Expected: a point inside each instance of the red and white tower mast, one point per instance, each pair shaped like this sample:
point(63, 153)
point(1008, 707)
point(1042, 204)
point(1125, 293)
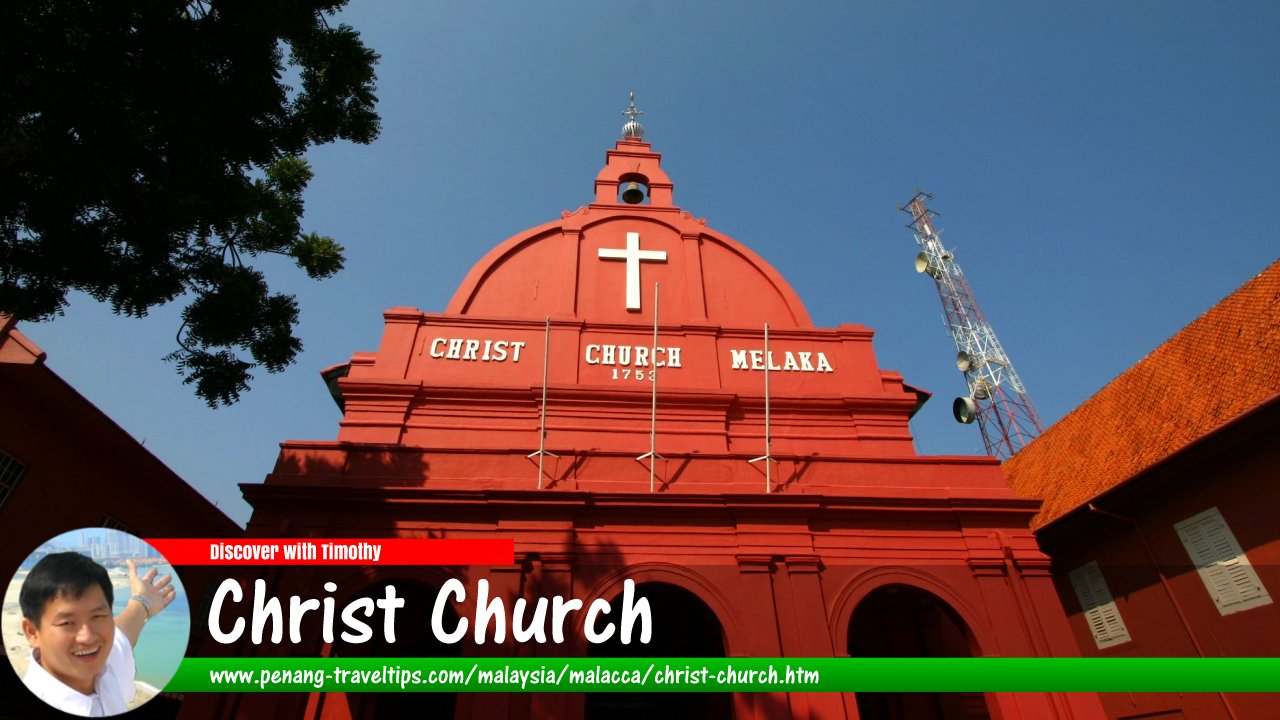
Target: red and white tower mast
point(997, 398)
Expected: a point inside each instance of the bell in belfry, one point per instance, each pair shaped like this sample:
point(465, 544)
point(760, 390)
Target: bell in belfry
point(633, 194)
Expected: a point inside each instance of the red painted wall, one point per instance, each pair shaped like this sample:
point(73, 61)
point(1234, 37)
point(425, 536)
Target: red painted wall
point(436, 438)
point(81, 469)
point(73, 451)
point(1233, 471)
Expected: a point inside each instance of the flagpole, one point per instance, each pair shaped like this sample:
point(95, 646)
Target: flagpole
point(768, 431)
point(653, 404)
point(541, 452)
point(653, 396)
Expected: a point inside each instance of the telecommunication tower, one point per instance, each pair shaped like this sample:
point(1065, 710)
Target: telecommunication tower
point(997, 398)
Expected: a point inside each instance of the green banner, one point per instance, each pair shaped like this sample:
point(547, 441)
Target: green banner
point(727, 675)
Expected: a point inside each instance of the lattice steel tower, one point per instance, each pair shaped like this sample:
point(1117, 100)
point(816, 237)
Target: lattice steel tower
point(997, 399)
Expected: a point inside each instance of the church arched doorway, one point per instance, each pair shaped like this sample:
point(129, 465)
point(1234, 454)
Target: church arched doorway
point(905, 621)
point(413, 639)
point(683, 626)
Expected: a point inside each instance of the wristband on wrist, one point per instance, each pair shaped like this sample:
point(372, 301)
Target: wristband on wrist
point(145, 603)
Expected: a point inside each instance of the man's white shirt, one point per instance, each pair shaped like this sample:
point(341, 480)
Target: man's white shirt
point(113, 687)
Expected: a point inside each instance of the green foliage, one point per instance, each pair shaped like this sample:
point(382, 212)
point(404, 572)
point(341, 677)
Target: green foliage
point(150, 149)
point(320, 256)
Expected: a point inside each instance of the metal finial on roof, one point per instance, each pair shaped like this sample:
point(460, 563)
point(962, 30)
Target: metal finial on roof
point(633, 129)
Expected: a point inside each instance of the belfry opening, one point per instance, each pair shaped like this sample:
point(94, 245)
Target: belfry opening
point(754, 474)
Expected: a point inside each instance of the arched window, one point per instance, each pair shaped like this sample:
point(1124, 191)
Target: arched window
point(413, 639)
point(683, 626)
point(905, 621)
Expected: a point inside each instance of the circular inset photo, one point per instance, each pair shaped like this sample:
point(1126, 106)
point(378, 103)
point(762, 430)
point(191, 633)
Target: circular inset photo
point(95, 622)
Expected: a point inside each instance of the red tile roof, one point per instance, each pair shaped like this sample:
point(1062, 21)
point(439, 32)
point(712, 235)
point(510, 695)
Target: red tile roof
point(1221, 365)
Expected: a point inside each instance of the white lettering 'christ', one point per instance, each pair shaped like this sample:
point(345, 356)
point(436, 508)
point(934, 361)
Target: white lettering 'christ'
point(634, 256)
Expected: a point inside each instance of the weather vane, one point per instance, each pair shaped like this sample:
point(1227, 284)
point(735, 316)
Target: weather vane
point(633, 129)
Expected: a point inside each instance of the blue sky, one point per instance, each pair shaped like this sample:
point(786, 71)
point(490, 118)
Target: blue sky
point(1105, 171)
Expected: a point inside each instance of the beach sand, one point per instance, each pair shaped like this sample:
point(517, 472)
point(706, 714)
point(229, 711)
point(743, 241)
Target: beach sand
point(15, 643)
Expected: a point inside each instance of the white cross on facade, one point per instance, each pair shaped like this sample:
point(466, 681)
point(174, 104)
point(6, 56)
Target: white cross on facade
point(634, 256)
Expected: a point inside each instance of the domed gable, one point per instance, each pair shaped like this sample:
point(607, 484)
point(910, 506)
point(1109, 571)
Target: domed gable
point(555, 329)
point(600, 263)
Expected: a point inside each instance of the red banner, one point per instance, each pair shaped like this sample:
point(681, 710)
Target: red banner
point(327, 551)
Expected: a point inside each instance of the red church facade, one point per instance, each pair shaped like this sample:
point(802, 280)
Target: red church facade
point(759, 484)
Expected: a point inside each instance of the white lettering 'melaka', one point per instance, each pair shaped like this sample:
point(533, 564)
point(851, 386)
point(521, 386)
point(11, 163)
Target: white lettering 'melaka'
point(791, 361)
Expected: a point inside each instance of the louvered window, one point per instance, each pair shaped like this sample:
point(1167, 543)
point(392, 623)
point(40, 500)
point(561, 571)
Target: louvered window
point(1100, 609)
point(11, 471)
point(1226, 572)
point(111, 523)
